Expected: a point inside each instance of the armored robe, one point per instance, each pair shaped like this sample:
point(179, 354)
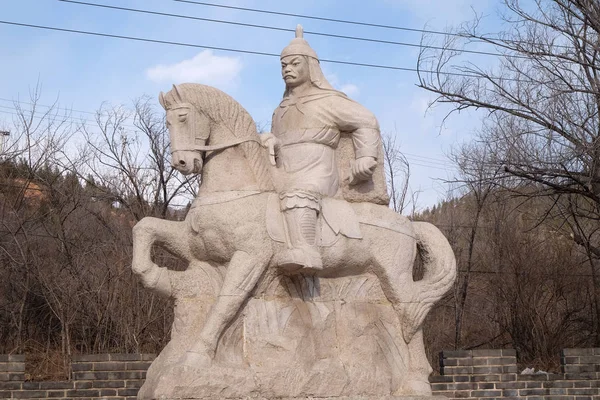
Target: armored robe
point(309, 129)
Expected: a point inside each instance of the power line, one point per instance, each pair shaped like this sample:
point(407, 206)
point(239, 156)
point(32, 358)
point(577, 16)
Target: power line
point(219, 21)
point(46, 106)
point(341, 21)
point(106, 113)
point(82, 121)
point(362, 23)
point(260, 53)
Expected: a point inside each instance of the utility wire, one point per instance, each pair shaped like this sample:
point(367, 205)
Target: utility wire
point(91, 124)
point(486, 53)
point(341, 21)
point(362, 23)
point(70, 110)
point(260, 53)
point(82, 121)
point(46, 106)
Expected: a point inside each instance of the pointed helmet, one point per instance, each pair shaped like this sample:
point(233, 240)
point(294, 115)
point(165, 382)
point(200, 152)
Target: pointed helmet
point(299, 46)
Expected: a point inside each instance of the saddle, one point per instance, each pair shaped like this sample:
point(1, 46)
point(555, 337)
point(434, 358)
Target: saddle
point(337, 217)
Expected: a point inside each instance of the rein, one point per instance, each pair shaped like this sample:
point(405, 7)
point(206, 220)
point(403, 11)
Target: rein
point(225, 145)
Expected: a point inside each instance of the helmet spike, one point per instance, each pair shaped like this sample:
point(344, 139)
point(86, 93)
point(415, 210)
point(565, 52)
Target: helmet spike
point(299, 46)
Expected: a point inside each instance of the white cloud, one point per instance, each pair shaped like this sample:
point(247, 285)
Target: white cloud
point(205, 68)
point(350, 89)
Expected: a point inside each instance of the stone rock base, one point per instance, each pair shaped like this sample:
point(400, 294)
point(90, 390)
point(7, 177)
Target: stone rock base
point(301, 337)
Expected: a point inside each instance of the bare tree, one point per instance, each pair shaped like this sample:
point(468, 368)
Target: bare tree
point(129, 165)
point(397, 171)
point(541, 104)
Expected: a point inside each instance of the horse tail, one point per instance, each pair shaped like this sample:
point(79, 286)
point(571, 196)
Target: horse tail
point(440, 272)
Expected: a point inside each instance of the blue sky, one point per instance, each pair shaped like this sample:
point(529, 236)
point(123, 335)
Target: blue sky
point(85, 71)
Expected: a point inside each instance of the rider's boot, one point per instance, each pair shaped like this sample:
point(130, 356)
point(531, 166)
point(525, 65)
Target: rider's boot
point(301, 225)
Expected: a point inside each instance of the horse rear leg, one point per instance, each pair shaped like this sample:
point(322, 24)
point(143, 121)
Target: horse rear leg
point(242, 274)
point(169, 234)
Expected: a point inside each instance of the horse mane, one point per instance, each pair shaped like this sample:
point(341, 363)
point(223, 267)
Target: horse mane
point(224, 110)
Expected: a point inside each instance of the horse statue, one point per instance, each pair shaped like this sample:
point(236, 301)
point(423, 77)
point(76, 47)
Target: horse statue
point(227, 228)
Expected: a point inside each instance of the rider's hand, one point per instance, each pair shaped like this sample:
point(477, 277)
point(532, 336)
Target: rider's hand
point(362, 169)
point(269, 141)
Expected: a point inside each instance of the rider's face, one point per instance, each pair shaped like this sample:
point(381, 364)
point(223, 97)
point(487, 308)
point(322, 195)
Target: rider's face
point(294, 70)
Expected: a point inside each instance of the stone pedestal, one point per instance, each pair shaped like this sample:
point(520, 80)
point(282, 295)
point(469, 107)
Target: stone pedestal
point(298, 337)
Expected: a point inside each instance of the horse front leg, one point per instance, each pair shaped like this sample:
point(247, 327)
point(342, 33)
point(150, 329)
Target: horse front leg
point(170, 235)
point(242, 274)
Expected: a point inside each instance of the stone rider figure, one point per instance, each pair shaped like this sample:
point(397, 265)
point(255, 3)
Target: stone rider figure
point(306, 130)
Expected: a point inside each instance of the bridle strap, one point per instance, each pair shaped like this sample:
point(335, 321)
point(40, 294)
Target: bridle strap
point(225, 145)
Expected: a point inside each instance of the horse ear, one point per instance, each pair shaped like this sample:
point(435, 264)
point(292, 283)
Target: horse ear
point(161, 100)
point(179, 98)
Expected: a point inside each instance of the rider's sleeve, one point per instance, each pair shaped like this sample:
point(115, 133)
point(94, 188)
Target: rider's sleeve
point(361, 124)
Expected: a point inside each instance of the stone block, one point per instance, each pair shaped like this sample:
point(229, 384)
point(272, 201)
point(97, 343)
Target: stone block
point(84, 384)
point(589, 359)
point(486, 353)
point(533, 384)
point(127, 392)
point(136, 383)
point(10, 385)
point(486, 386)
point(436, 387)
point(532, 377)
point(533, 392)
point(487, 370)
point(559, 384)
point(108, 384)
point(16, 358)
point(460, 394)
point(486, 393)
point(125, 375)
point(90, 357)
point(15, 367)
point(440, 379)
point(465, 386)
point(485, 378)
point(56, 385)
point(582, 391)
point(52, 394)
point(82, 366)
point(109, 366)
point(509, 369)
point(137, 366)
point(510, 393)
point(83, 393)
point(557, 391)
point(577, 352)
point(461, 378)
point(31, 385)
point(457, 371)
point(108, 392)
point(16, 376)
point(125, 357)
point(456, 353)
point(30, 394)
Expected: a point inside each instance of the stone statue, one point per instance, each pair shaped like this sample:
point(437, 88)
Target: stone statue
point(300, 283)
point(307, 127)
